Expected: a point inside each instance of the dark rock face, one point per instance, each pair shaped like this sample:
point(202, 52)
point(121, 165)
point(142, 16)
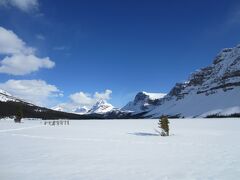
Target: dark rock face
point(140, 97)
point(223, 74)
point(141, 103)
point(145, 99)
point(177, 91)
point(198, 78)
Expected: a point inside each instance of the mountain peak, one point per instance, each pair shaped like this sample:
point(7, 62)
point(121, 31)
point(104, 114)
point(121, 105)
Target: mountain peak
point(100, 107)
point(143, 101)
point(101, 101)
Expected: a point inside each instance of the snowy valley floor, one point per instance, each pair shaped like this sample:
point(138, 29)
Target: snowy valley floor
point(120, 149)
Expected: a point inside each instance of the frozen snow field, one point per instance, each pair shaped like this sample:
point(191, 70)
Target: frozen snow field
point(120, 149)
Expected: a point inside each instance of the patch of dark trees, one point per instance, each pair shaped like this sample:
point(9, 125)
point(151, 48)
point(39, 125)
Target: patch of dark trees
point(235, 115)
point(11, 109)
point(27, 110)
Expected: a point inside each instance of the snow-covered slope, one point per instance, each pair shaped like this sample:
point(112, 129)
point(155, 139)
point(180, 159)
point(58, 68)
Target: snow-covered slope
point(143, 101)
point(211, 90)
point(120, 150)
point(101, 107)
point(5, 96)
point(58, 108)
point(71, 108)
point(154, 96)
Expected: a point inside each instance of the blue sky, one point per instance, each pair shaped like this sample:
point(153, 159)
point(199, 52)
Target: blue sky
point(124, 46)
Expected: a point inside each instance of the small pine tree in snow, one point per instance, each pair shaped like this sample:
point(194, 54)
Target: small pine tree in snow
point(19, 115)
point(163, 124)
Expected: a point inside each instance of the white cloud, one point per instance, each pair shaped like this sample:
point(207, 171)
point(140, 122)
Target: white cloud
point(67, 107)
point(11, 44)
point(20, 59)
point(86, 99)
point(40, 37)
point(81, 99)
point(105, 95)
point(14, 64)
point(34, 91)
point(23, 5)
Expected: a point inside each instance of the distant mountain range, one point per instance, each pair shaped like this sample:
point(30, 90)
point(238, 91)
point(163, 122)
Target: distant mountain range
point(100, 107)
point(10, 105)
point(213, 91)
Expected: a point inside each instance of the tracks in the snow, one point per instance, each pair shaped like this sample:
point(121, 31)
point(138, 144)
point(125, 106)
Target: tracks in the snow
point(19, 129)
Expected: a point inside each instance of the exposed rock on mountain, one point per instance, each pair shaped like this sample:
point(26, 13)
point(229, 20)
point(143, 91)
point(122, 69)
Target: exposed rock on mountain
point(211, 90)
point(142, 102)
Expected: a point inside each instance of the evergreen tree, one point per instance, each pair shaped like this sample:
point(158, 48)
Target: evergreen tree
point(19, 114)
point(163, 124)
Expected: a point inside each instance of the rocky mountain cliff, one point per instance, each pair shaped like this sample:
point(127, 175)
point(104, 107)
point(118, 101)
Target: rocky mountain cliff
point(213, 90)
point(143, 101)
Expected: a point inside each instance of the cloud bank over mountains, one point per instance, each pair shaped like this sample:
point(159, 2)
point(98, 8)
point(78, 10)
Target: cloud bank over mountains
point(19, 59)
point(35, 91)
point(83, 99)
point(86, 99)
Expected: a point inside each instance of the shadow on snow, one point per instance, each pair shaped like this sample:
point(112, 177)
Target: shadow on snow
point(144, 134)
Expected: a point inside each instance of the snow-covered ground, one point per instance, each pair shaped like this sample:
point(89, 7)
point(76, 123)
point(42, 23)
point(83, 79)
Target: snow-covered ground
point(120, 149)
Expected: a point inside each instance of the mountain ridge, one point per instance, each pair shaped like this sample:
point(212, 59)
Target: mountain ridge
point(9, 105)
point(212, 89)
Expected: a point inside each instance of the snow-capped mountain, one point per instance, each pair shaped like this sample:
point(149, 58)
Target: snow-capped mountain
point(5, 96)
point(213, 90)
point(71, 108)
point(101, 107)
point(143, 101)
